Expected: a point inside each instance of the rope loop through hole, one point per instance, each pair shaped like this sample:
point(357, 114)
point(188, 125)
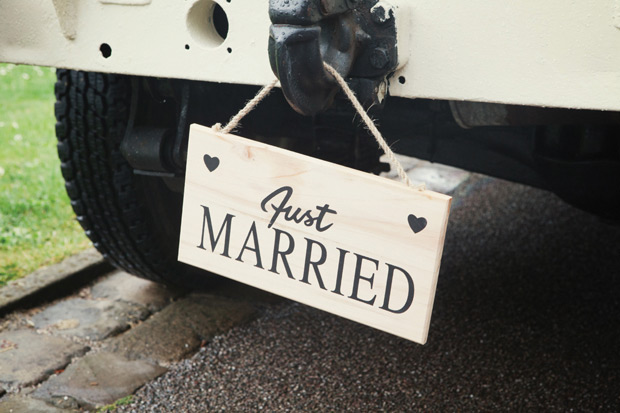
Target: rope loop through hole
point(370, 124)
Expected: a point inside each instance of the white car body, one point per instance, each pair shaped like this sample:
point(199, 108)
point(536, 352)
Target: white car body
point(544, 53)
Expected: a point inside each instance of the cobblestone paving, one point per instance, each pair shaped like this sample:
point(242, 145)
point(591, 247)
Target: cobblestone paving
point(101, 343)
point(91, 348)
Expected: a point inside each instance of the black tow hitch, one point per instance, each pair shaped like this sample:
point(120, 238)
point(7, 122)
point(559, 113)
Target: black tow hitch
point(356, 37)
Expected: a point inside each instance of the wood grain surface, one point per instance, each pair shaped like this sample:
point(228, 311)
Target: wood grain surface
point(354, 244)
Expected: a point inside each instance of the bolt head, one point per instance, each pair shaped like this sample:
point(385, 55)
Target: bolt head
point(379, 58)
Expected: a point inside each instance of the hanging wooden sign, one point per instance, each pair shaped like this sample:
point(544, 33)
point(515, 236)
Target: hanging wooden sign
point(347, 242)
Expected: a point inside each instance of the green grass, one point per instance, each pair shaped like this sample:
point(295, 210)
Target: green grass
point(112, 407)
point(37, 225)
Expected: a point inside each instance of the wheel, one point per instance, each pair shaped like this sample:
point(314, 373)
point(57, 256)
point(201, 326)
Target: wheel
point(132, 220)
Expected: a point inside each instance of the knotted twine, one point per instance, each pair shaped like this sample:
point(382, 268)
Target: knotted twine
point(370, 124)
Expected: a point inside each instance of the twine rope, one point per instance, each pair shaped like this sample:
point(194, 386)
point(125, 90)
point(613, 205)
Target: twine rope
point(249, 107)
point(372, 127)
point(370, 124)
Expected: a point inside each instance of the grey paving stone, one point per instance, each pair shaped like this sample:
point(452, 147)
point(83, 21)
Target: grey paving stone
point(23, 404)
point(437, 177)
point(43, 278)
point(121, 286)
point(407, 162)
point(96, 380)
point(179, 329)
point(28, 358)
point(90, 319)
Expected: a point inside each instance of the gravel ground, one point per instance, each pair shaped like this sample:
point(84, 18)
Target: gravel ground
point(527, 318)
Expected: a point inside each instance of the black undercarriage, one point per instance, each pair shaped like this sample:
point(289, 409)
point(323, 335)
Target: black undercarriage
point(573, 153)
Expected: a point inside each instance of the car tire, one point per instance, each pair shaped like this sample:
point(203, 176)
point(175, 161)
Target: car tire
point(132, 220)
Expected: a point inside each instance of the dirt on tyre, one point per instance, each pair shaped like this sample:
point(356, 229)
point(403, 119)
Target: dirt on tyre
point(132, 220)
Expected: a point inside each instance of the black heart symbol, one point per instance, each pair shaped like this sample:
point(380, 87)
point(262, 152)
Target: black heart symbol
point(416, 224)
point(211, 163)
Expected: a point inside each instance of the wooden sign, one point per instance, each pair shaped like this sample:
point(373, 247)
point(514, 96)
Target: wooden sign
point(357, 245)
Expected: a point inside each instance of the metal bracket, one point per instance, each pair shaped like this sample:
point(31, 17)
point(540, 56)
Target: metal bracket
point(356, 37)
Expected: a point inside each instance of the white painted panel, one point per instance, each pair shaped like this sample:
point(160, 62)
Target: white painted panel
point(549, 53)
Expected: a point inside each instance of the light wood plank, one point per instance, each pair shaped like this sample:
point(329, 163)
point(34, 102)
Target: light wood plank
point(371, 223)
